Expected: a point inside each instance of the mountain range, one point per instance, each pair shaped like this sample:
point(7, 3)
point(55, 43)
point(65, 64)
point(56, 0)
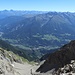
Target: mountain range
point(40, 33)
point(7, 13)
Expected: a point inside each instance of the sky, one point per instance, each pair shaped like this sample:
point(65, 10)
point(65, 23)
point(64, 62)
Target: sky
point(38, 5)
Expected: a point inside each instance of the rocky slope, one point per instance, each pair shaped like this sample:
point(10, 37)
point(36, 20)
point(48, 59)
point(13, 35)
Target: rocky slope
point(7, 60)
point(26, 53)
point(59, 59)
point(12, 64)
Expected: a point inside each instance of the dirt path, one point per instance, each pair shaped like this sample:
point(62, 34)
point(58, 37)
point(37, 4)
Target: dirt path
point(25, 69)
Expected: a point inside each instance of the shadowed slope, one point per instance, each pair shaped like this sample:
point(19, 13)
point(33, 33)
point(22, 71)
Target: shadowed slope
point(59, 58)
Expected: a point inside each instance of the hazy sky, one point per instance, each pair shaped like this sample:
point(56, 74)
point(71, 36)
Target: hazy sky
point(40, 5)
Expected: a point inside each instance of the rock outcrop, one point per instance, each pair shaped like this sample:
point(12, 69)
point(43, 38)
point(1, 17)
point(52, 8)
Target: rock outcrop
point(68, 69)
point(12, 64)
point(7, 60)
point(59, 58)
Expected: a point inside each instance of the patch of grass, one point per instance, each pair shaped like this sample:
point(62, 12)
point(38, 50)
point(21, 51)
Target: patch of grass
point(15, 56)
point(66, 34)
point(11, 40)
point(37, 35)
point(50, 37)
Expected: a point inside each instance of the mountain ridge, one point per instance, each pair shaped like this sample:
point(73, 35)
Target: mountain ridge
point(7, 13)
point(38, 26)
point(58, 59)
point(41, 32)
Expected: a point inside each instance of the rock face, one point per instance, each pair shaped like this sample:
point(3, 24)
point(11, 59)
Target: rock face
point(68, 69)
point(12, 64)
point(59, 58)
point(7, 63)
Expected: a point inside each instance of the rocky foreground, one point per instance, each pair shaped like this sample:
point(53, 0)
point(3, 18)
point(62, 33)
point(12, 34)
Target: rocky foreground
point(11, 64)
point(61, 62)
point(68, 69)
